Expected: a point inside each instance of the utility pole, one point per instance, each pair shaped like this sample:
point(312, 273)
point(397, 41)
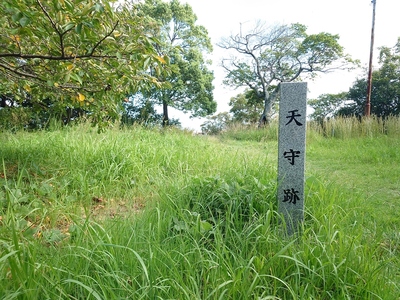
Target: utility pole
point(369, 81)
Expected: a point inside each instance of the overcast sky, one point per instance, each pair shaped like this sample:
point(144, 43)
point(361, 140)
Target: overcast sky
point(351, 19)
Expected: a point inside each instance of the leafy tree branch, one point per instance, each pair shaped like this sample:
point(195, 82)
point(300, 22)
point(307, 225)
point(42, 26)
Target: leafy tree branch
point(80, 53)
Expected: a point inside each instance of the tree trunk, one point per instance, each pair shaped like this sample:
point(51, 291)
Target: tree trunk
point(264, 119)
point(3, 102)
point(269, 100)
point(165, 121)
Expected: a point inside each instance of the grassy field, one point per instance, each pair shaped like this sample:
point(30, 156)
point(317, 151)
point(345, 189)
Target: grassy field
point(162, 214)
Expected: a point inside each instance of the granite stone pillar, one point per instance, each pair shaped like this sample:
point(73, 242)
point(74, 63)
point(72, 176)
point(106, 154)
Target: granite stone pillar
point(291, 153)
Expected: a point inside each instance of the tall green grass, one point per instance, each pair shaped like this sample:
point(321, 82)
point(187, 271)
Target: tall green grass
point(346, 128)
point(153, 214)
point(342, 128)
point(252, 132)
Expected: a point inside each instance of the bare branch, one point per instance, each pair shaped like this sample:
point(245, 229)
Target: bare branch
point(281, 53)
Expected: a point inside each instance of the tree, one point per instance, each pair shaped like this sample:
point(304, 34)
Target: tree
point(385, 94)
point(327, 105)
point(140, 110)
point(216, 124)
point(190, 82)
point(79, 53)
point(28, 113)
point(33, 115)
point(246, 107)
point(264, 57)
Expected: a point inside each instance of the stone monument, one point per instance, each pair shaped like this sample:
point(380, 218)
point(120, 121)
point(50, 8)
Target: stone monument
point(291, 153)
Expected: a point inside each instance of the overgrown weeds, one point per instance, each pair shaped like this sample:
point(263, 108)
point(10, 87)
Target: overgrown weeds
point(193, 218)
point(347, 128)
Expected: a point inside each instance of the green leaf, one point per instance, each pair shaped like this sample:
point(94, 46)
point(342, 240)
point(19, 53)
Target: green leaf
point(24, 21)
point(76, 77)
point(78, 28)
point(98, 7)
point(4, 257)
point(68, 26)
point(53, 236)
point(16, 17)
point(69, 5)
point(146, 63)
point(205, 226)
point(67, 77)
point(91, 291)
